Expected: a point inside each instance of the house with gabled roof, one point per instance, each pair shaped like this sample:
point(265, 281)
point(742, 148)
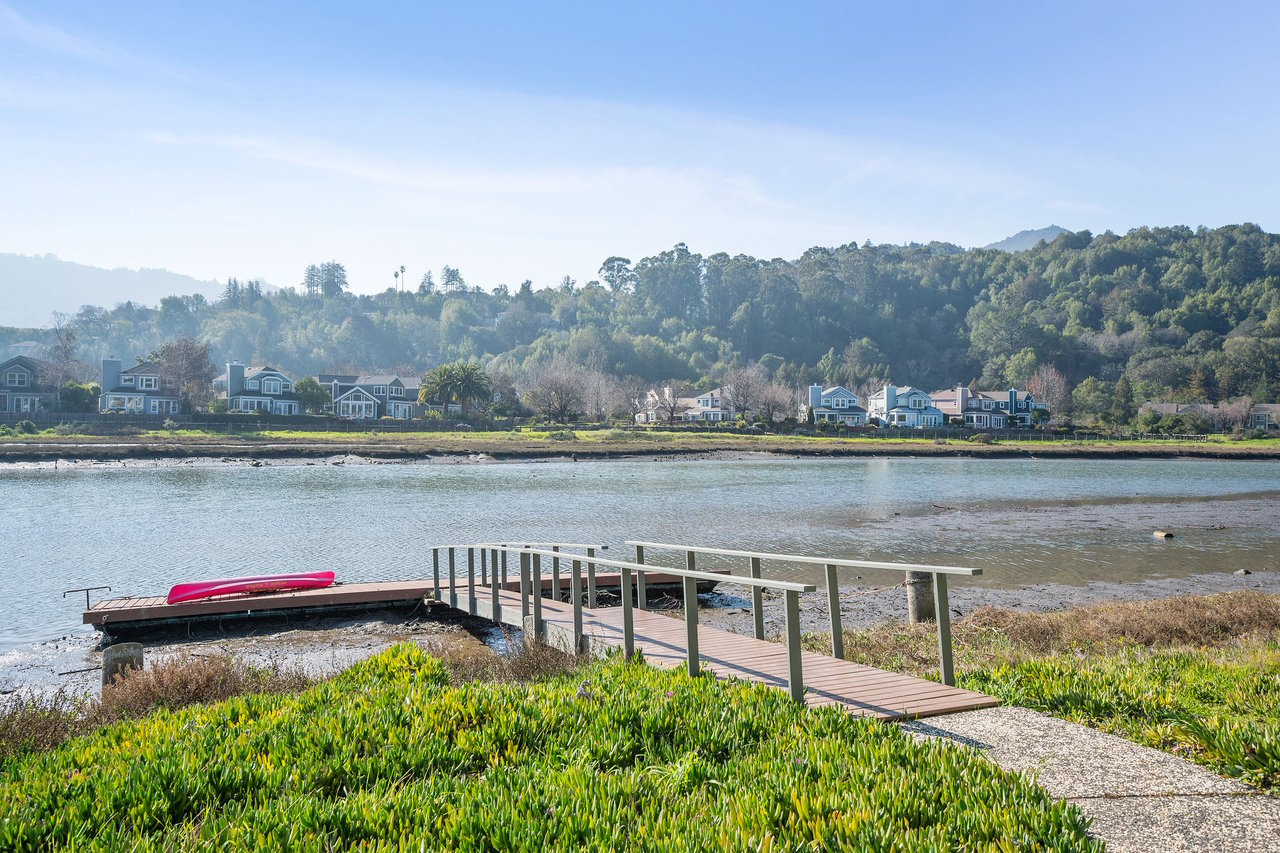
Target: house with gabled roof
point(1265, 416)
point(257, 389)
point(903, 408)
point(370, 396)
point(833, 405)
point(711, 407)
point(139, 390)
point(23, 389)
point(1011, 409)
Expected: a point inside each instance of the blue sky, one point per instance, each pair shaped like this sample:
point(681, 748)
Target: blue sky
point(534, 140)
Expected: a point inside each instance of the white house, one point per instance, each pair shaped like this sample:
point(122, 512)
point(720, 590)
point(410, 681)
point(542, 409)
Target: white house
point(834, 405)
point(711, 407)
point(903, 408)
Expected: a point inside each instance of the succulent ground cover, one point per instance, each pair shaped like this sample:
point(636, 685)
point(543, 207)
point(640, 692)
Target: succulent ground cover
point(611, 755)
point(1198, 676)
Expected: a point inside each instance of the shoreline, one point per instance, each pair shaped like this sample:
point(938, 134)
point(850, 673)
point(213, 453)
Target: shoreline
point(325, 644)
point(465, 450)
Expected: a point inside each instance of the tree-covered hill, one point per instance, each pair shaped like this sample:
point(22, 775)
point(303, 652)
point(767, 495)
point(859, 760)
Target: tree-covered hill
point(1158, 312)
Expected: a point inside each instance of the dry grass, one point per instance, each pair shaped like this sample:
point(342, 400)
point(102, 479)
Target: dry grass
point(39, 724)
point(994, 636)
point(526, 660)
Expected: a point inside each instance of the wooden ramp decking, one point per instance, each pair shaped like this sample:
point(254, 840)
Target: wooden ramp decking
point(861, 690)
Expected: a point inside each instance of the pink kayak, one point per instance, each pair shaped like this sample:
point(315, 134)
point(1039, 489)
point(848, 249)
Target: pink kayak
point(262, 583)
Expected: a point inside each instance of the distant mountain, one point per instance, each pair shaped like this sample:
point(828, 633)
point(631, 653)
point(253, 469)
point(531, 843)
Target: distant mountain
point(1024, 240)
point(34, 286)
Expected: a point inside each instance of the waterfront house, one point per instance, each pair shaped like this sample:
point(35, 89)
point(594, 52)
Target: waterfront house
point(903, 408)
point(1265, 416)
point(257, 389)
point(140, 390)
point(23, 386)
point(834, 405)
point(369, 396)
point(1011, 409)
point(711, 407)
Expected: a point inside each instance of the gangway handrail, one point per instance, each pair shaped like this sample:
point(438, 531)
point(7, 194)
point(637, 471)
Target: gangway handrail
point(942, 612)
point(530, 567)
point(485, 547)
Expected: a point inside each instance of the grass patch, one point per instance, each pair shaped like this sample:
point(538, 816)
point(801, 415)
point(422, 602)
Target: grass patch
point(612, 756)
point(1197, 676)
point(39, 724)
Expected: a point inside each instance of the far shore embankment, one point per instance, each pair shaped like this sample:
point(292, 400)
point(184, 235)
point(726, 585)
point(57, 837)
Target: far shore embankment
point(519, 446)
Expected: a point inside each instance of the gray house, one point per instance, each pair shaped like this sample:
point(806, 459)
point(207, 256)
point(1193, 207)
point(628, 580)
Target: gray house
point(257, 389)
point(22, 389)
point(140, 390)
point(371, 396)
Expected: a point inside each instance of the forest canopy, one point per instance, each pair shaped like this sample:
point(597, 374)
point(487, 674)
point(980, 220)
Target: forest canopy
point(1171, 313)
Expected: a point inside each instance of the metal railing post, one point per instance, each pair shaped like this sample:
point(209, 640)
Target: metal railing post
point(795, 674)
point(453, 588)
point(537, 596)
point(591, 579)
point(524, 586)
point(943, 617)
point(484, 567)
point(833, 604)
point(641, 601)
point(628, 618)
point(691, 615)
point(757, 601)
point(493, 587)
point(504, 568)
point(435, 570)
point(555, 574)
point(575, 591)
point(471, 581)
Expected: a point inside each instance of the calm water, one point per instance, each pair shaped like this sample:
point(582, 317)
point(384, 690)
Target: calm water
point(141, 529)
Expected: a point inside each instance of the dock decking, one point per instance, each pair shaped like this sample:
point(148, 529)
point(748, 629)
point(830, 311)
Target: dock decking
point(861, 690)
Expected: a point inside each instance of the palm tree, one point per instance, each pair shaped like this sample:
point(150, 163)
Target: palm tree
point(470, 382)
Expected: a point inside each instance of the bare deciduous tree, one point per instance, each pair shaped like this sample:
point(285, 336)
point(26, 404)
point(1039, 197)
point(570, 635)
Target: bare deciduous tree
point(1048, 385)
point(776, 402)
point(1229, 416)
point(602, 395)
point(557, 391)
point(743, 387)
point(668, 400)
point(62, 355)
point(185, 369)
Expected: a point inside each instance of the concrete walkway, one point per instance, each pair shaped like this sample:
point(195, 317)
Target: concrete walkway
point(1140, 799)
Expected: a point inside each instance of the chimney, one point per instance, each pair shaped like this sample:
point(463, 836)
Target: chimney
point(110, 374)
point(815, 396)
point(235, 379)
point(1013, 402)
point(962, 398)
point(890, 397)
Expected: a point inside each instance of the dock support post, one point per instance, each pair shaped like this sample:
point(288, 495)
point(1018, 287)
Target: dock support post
point(628, 618)
point(641, 602)
point(591, 579)
point(435, 570)
point(524, 586)
point(919, 602)
point(833, 604)
point(493, 587)
point(795, 675)
point(691, 616)
point(575, 591)
point(453, 589)
point(757, 601)
point(945, 666)
point(555, 574)
point(537, 596)
point(471, 581)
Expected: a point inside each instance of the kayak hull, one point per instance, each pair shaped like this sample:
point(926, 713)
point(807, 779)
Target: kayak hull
point(199, 590)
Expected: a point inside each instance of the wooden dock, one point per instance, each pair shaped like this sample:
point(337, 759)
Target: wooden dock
point(861, 690)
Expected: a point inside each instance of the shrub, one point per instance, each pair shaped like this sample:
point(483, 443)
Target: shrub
point(66, 429)
point(25, 427)
point(170, 424)
point(981, 438)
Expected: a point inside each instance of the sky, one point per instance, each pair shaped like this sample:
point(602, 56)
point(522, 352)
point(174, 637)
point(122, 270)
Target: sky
point(534, 140)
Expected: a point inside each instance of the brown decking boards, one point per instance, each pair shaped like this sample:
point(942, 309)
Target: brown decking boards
point(859, 689)
point(154, 609)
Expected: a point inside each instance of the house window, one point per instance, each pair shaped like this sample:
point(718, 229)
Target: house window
point(397, 391)
point(271, 386)
point(840, 403)
point(126, 380)
point(380, 390)
point(988, 405)
point(146, 383)
point(17, 379)
point(25, 404)
point(917, 403)
point(252, 383)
